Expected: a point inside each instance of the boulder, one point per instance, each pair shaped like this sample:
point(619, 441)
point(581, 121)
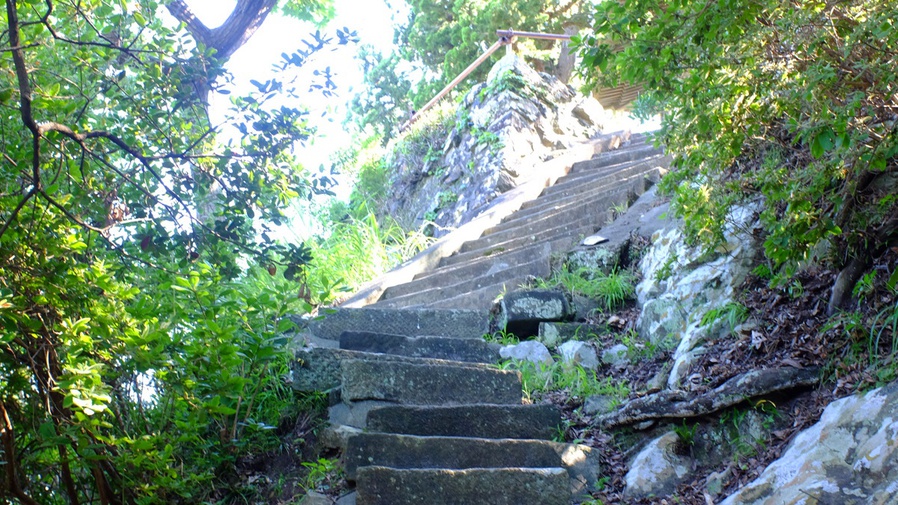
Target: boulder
point(520, 312)
point(529, 350)
point(495, 140)
point(616, 355)
point(578, 353)
point(681, 283)
point(658, 468)
point(849, 456)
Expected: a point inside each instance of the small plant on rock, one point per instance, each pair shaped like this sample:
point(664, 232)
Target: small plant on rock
point(731, 314)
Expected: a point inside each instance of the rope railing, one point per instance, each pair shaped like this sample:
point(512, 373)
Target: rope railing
point(506, 37)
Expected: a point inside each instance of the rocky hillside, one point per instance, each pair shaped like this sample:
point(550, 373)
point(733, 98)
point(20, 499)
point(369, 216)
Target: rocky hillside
point(456, 161)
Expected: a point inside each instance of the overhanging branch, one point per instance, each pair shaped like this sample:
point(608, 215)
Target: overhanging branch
point(243, 22)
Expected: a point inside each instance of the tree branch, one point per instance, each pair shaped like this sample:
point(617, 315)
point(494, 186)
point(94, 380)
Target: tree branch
point(9, 448)
point(243, 22)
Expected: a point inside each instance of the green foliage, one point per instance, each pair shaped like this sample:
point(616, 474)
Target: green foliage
point(422, 143)
point(575, 380)
point(686, 434)
point(440, 40)
point(871, 344)
point(640, 349)
point(323, 473)
point(744, 429)
point(502, 337)
point(357, 250)
point(789, 101)
point(611, 290)
point(731, 314)
point(143, 303)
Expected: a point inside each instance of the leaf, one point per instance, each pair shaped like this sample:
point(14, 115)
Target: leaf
point(893, 280)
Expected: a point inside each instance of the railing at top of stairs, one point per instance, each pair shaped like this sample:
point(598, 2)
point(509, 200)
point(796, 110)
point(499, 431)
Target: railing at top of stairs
point(506, 38)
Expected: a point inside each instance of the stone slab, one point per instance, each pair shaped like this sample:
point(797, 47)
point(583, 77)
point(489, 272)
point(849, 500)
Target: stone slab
point(497, 486)
point(619, 156)
point(318, 368)
point(456, 349)
point(482, 421)
point(408, 451)
point(451, 287)
point(444, 323)
point(428, 384)
point(520, 312)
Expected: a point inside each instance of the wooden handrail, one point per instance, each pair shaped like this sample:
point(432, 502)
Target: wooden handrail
point(506, 37)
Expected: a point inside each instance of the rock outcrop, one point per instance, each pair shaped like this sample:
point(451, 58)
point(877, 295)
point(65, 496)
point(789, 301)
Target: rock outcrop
point(503, 129)
point(849, 457)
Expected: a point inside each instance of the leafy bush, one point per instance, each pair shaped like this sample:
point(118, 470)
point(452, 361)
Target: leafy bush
point(357, 250)
point(791, 103)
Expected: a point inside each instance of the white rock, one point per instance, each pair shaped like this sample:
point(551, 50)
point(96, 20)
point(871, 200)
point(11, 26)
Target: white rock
point(849, 456)
point(657, 469)
point(578, 353)
point(529, 350)
point(616, 355)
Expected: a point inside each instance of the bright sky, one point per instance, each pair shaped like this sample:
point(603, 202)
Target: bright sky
point(373, 22)
point(371, 19)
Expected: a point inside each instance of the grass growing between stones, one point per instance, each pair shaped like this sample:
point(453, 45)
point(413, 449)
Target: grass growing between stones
point(575, 381)
point(611, 289)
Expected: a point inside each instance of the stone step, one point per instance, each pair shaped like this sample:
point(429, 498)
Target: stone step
point(430, 290)
point(428, 384)
point(556, 212)
point(379, 485)
point(485, 265)
point(444, 323)
point(582, 188)
point(411, 451)
point(623, 155)
point(479, 267)
point(540, 422)
point(556, 235)
point(319, 368)
point(595, 213)
point(483, 298)
point(469, 350)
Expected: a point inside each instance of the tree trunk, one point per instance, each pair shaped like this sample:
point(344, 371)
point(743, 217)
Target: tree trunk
point(845, 282)
point(566, 59)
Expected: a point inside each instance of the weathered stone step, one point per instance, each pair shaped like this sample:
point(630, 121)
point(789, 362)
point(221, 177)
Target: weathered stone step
point(580, 188)
point(319, 368)
point(623, 155)
point(593, 212)
point(591, 182)
point(538, 422)
point(428, 290)
point(556, 234)
point(494, 486)
point(480, 299)
point(457, 349)
point(557, 211)
point(427, 384)
point(485, 265)
point(410, 451)
point(445, 323)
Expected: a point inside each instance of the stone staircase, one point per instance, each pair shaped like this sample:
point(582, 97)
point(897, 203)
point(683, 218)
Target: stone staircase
point(419, 409)
point(430, 419)
point(521, 246)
